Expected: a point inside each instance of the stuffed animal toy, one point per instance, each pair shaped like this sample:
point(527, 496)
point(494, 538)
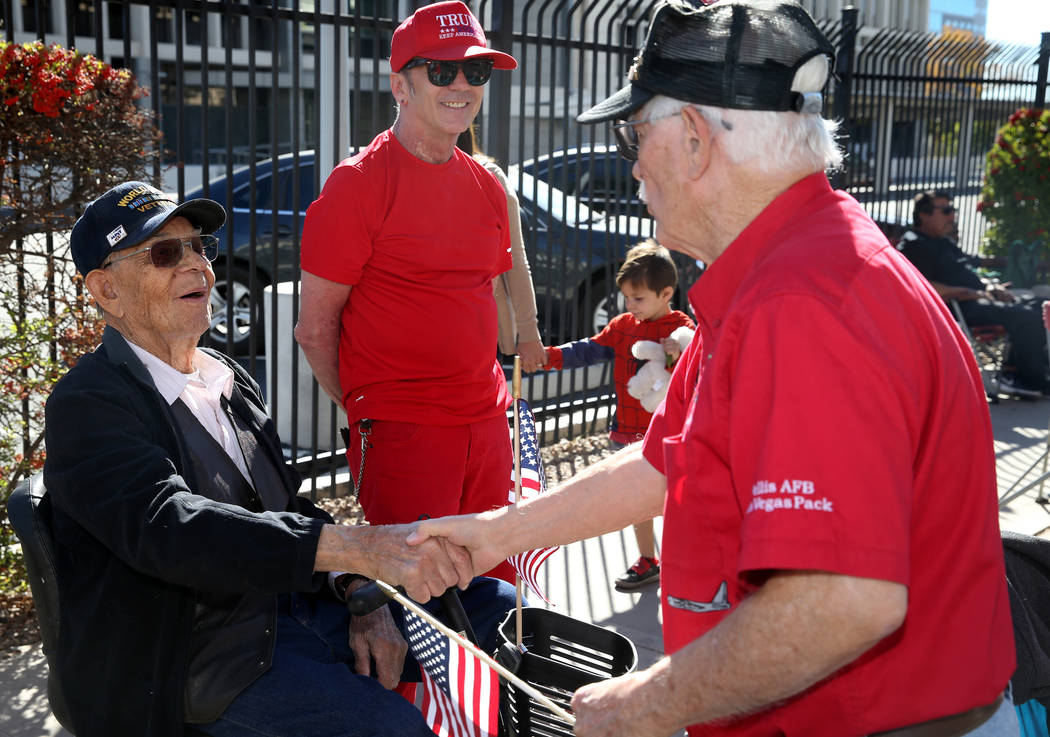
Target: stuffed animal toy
point(649, 385)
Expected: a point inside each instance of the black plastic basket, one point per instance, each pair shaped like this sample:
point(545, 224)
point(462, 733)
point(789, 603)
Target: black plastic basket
point(561, 654)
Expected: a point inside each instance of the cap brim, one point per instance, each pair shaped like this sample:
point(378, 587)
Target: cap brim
point(207, 215)
point(501, 60)
point(617, 106)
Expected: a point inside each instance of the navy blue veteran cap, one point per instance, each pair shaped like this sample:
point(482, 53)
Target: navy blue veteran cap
point(127, 215)
point(740, 54)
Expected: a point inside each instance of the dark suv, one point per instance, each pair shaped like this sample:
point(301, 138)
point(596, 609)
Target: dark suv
point(573, 249)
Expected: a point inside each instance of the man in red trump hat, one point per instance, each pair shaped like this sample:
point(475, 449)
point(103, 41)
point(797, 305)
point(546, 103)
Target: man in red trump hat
point(398, 319)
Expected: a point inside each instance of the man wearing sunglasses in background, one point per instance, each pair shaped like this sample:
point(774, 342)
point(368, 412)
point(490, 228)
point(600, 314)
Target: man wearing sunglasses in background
point(399, 253)
point(193, 577)
point(930, 245)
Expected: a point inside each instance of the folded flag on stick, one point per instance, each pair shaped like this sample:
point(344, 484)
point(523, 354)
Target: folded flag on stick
point(460, 692)
point(533, 483)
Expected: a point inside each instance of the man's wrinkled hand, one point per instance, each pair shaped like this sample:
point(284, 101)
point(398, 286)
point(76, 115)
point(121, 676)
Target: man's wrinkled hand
point(375, 639)
point(424, 570)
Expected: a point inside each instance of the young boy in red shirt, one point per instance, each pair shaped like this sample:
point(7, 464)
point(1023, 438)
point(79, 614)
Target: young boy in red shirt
point(647, 279)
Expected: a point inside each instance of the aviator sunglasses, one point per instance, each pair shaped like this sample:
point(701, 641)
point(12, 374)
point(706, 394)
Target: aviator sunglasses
point(167, 253)
point(443, 73)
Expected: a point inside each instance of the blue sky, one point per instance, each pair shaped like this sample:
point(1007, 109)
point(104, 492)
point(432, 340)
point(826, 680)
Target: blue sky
point(1018, 21)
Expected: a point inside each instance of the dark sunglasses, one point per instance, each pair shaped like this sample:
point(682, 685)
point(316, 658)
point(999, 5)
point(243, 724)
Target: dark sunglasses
point(946, 209)
point(443, 73)
point(167, 254)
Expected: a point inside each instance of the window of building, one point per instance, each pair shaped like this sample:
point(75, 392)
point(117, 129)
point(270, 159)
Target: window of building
point(193, 27)
point(374, 43)
point(263, 26)
point(164, 22)
point(36, 16)
point(116, 12)
point(232, 37)
point(84, 18)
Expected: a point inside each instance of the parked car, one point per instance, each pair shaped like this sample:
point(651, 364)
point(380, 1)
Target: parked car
point(574, 250)
point(259, 244)
point(596, 175)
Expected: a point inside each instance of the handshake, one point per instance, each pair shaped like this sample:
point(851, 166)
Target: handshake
point(426, 557)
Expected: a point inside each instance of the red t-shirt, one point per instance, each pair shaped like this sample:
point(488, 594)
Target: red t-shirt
point(420, 243)
point(829, 415)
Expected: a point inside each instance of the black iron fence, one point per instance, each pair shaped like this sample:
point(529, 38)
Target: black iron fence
point(259, 100)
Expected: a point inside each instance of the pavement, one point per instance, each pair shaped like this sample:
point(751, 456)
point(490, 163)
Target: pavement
point(578, 579)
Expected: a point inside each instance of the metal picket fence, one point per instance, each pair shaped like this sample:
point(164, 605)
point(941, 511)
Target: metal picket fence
point(259, 100)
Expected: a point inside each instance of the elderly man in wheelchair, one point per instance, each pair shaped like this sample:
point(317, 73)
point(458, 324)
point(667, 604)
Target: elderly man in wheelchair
point(199, 593)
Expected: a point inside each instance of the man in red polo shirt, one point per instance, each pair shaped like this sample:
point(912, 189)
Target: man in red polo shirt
point(832, 564)
point(399, 252)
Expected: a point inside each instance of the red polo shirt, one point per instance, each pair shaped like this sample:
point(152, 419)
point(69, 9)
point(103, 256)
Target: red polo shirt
point(829, 416)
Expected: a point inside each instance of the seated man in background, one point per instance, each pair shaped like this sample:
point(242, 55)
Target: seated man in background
point(192, 575)
point(930, 246)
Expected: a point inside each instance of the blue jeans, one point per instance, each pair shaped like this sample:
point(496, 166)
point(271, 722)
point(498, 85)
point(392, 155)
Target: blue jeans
point(1003, 723)
point(311, 687)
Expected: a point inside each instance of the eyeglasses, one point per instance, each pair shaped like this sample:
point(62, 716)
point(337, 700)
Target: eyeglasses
point(627, 138)
point(946, 209)
point(167, 254)
point(443, 73)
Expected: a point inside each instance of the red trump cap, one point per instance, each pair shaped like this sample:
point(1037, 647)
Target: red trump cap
point(445, 31)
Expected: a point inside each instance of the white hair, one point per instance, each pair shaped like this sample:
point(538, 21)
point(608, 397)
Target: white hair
point(770, 141)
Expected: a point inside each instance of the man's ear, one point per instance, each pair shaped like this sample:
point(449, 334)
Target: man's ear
point(697, 141)
point(102, 287)
point(399, 88)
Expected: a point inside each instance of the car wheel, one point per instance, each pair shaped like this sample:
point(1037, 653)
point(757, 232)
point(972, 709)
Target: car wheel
point(247, 310)
point(601, 308)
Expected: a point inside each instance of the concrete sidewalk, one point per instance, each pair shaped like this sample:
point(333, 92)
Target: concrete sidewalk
point(578, 579)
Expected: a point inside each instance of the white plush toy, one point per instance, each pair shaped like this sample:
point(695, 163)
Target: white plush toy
point(649, 385)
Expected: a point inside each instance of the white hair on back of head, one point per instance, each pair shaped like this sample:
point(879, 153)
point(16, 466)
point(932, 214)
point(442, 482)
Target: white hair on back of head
point(770, 141)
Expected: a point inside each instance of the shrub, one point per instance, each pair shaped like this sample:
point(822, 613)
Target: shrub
point(1015, 197)
point(70, 128)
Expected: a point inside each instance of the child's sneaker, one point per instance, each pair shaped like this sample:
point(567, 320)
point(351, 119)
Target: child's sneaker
point(644, 572)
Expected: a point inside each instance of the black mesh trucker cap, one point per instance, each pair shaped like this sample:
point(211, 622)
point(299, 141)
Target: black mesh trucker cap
point(739, 54)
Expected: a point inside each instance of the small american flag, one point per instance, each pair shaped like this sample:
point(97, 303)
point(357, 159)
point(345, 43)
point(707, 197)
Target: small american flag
point(533, 483)
point(460, 693)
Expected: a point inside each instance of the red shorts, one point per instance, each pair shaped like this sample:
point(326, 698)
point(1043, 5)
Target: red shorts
point(414, 470)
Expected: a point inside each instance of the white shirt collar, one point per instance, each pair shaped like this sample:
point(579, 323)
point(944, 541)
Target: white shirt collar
point(209, 372)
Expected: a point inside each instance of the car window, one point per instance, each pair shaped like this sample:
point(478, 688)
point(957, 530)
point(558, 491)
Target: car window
point(285, 187)
point(559, 205)
point(263, 194)
point(607, 180)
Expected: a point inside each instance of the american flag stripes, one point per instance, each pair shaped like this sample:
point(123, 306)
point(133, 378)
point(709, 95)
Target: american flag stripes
point(460, 693)
point(533, 483)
